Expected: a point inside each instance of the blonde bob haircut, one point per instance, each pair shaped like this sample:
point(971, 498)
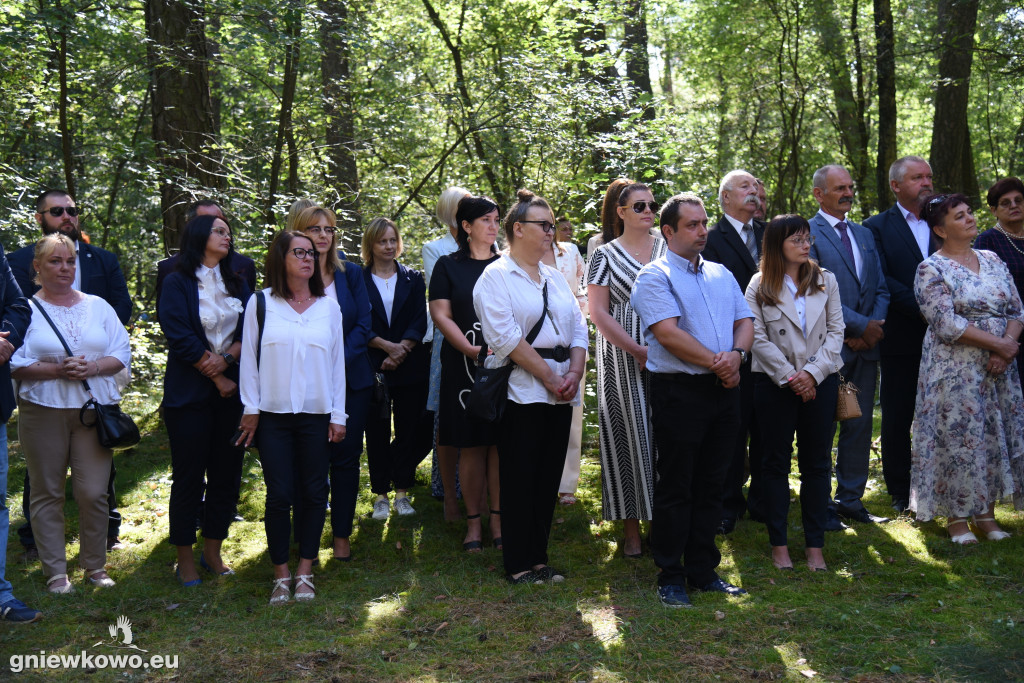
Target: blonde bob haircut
point(375, 232)
point(307, 217)
point(45, 248)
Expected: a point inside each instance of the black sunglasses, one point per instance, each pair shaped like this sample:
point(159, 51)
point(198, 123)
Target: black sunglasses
point(546, 226)
point(638, 207)
point(58, 211)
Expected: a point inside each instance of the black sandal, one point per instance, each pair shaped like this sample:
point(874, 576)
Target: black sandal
point(497, 541)
point(472, 546)
point(529, 577)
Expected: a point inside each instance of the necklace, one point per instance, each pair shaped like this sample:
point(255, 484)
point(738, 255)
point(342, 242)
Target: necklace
point(636, 254)
point(965, 262)
point(298, 302)
point(1011, 238)
point(387, 279)
point(526, 270)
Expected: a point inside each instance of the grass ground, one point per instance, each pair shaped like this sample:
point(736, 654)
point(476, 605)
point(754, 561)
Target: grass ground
point(899, 602)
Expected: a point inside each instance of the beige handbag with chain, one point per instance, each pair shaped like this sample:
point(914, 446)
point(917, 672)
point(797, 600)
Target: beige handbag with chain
point(847, 406)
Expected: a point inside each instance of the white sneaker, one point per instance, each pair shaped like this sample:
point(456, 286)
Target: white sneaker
point(403, 506)
point(381, 510)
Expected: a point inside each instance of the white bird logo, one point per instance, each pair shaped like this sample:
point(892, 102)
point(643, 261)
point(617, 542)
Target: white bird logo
point(125, 627)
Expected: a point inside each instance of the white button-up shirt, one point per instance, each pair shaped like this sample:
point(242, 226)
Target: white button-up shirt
point(920, 228)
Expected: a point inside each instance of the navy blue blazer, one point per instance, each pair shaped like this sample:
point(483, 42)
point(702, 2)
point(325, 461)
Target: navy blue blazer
point(244, 266)
point(15, 315)
point(355, 319)
point(725, 246)
point(101, 276)
point(900, 255)
point(184, 385)
point(408, 321)
point(864, 298)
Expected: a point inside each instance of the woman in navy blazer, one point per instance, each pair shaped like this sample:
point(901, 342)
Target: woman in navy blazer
point(201, 317)
point(399, 321)
point(343, 282)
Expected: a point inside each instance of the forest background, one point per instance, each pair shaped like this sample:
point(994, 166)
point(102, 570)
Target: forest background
point(373, 108)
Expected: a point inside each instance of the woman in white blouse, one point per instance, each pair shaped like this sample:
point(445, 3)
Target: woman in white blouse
point(201, 317)
point(292, 381)
point(509, 299)
point(50, 396)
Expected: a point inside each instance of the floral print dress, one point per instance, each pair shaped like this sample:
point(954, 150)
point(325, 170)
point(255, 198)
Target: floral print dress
point(968, 433)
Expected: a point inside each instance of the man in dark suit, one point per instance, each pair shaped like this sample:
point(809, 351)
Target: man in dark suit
point(848, 251)
point(903, 240)
point(97, 272)
point(735, 242)
point(243, 265)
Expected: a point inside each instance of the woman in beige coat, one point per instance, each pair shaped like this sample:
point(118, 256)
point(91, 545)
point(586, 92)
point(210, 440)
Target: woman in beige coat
point(798, 337)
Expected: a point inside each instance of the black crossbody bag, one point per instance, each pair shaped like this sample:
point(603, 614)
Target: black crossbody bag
point(116, 429)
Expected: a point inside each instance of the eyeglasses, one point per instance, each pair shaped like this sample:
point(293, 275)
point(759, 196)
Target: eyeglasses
point(546, 226)
point(1007, 202)
point(801, 241)
point(301, 253)
point(322, 230)
point(638, 207)
point(58, 211)
point(223, 232)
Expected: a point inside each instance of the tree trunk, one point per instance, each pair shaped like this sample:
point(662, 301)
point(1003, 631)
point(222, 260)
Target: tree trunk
point(340, 134)
point(951, 157)
point(634, 45)
point(66, 147)
point(1017, 158)
point(183, 122)
point(885, 65)
point(293, 27)
point(592, 45)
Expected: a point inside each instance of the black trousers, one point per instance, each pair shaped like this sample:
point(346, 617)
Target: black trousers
point(696, 422)
point(395, 461)
point(733, 503)
point(295, 457)
point(780, 413)
point(898, 394)
point(345, 463)
point(27, 539)
point(532, 439)
point(200, 437)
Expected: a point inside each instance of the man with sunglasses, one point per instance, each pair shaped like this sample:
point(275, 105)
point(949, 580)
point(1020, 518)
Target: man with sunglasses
point(97, 272)
point(735, 242)
point(244, 266)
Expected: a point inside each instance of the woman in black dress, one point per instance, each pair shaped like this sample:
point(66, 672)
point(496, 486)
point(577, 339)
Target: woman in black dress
point(451, 307)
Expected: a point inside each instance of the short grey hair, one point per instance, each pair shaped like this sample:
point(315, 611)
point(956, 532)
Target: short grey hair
point(726, 183)
point(899, 167)
point(821, 175)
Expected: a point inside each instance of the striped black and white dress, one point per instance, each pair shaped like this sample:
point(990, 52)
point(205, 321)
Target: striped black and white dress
point(623, 406)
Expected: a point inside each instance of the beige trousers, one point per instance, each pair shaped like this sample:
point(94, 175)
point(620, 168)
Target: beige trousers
point(571, 469)
point(53, 439)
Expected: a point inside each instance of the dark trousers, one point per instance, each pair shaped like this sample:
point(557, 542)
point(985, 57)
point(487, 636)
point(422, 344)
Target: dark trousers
point(733, 503)
point(898, 393)
point(295, 457)
point(780, 413)
point(395, 461)
point(696, 422)
point(345, 463)
point(200, 437)
point(853, 454)
point(25, 536)
point(532, 439)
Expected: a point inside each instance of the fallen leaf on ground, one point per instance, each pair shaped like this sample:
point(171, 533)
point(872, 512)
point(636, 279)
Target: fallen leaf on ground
point(719, 615)
point(809, 673)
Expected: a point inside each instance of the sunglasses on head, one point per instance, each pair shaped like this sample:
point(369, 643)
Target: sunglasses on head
point(58, 211)
point(638, 207)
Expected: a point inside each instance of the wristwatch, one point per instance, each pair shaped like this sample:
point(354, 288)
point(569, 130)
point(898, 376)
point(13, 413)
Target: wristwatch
point(228, 358)
point(743, 355)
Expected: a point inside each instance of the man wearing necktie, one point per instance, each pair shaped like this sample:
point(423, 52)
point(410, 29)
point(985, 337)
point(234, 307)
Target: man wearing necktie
point(735, 242)
point(903, 240)
point(97, 272)
point(847, 249)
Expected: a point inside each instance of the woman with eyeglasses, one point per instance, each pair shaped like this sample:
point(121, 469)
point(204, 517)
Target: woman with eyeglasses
point(201, 317)
point(513, 295)
point(968, 433)
point(292, 382)
point(623, 407)
point(343, 282)
point(451, 307)
point(1006, 237)
point(798, 341)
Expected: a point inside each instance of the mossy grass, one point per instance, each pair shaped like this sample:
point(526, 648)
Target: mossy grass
point(899, 602)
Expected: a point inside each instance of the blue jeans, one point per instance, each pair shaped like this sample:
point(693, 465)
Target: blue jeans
point(6, 592)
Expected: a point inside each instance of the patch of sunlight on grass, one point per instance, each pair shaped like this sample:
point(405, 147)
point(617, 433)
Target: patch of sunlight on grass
point(382, 609)
point(603, 675)
point(605, 622)
point(791, 656)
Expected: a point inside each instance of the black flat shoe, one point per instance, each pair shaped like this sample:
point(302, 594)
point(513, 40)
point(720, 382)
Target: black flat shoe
point(861, 515)
point(834, 523)
point(719, 586)
point(529, 577)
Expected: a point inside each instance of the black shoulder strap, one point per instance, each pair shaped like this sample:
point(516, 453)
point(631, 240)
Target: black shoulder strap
point(261, 317)
point(531, 335)
point(67, 349)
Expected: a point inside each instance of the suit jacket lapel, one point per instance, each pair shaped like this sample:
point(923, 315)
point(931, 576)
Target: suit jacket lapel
point(402, 287)
point(85, 265)
point(376, 303)
point(814, 307)
point(733, 239)
point(904, 231)
point(788, 306)
point(830, 234)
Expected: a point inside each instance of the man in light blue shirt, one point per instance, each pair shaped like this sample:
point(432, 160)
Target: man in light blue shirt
point(699, 331)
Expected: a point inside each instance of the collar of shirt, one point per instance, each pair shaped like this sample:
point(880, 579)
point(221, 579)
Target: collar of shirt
point(908, 216)
point(736, 224)
point(678, 261)
point(830, 219)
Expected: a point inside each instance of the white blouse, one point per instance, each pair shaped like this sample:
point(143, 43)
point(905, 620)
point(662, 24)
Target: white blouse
point(91, 329)
point(302, 365)
point(508, 301)
point(799, 302)
point(386, 287)
point(218, 310)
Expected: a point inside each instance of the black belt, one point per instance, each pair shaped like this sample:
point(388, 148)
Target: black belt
point(559, 354)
